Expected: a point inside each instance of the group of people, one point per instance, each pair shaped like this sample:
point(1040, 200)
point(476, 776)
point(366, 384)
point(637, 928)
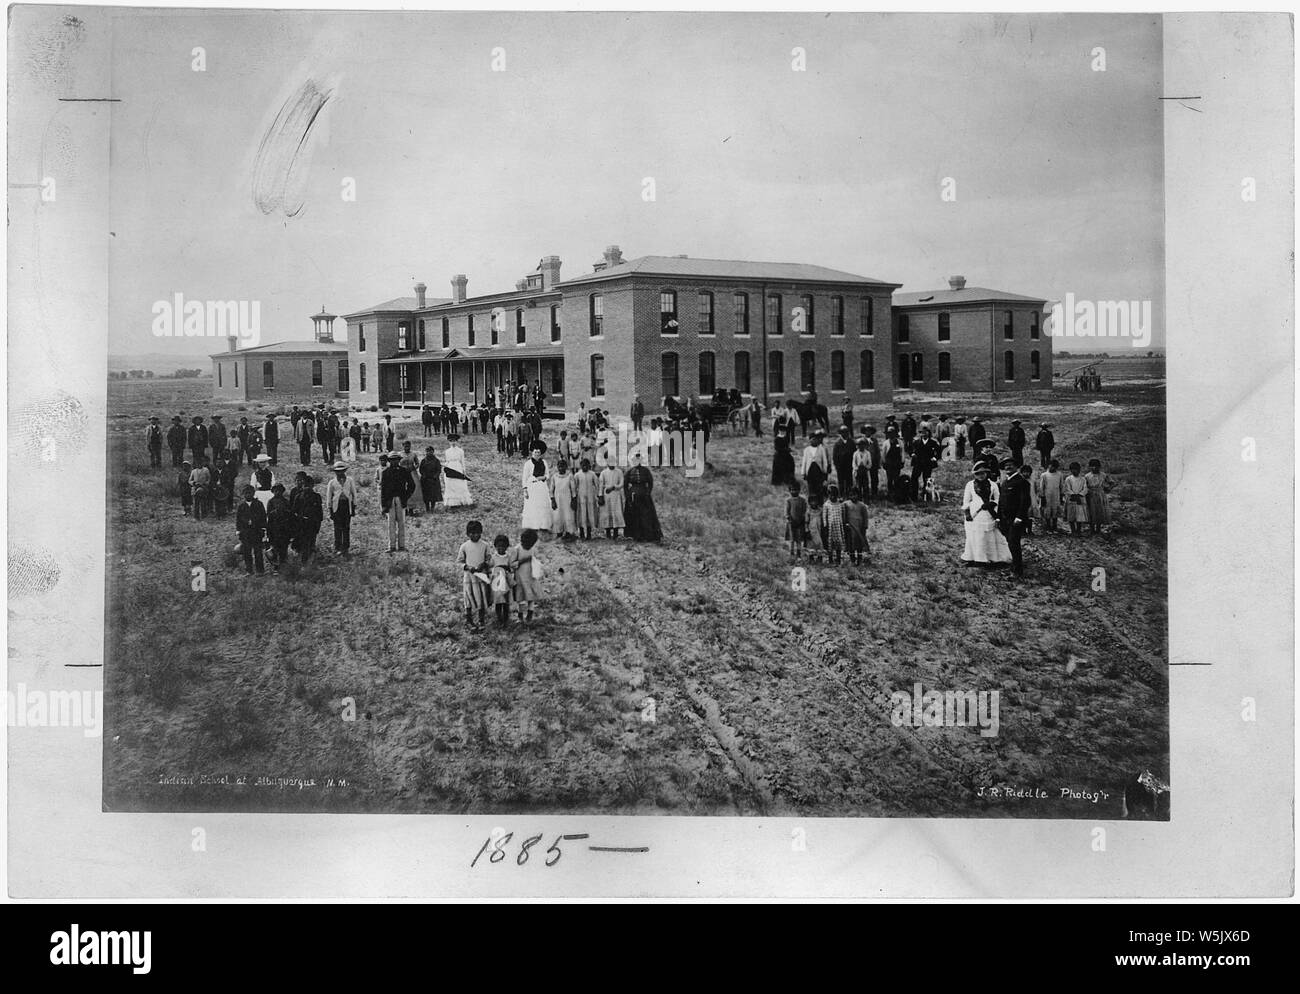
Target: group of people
point(1088, 380)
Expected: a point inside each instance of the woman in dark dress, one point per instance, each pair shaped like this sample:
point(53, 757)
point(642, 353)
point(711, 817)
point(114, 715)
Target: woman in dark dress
point(782, 463)
point(639, 505)
point(430, 477)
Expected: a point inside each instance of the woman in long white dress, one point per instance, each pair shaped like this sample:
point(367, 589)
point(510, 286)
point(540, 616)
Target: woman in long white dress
point(985, 544)
point(455, 484)
point(534, 478)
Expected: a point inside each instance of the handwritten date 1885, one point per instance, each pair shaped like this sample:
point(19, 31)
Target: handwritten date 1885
point(496, 843)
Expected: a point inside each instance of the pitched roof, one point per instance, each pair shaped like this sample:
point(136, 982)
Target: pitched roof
point(966, 295)
point(400, 304)
point(287, 348)
point(780, 272)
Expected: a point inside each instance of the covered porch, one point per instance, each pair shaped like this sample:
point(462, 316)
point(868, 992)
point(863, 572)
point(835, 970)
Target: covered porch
point(470, 376)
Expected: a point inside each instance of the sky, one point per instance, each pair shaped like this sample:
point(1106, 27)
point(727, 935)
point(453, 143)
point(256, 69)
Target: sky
point(1057, 167)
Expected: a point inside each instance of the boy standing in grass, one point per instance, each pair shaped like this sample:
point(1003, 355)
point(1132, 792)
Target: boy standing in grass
point(796, 522)
point(250, 524)
point(183, 485)
point(855, 526)
point(471, 557)
point(833, 526)
point(502, 563)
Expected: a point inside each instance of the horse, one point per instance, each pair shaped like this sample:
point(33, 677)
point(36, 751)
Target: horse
point(809, 411)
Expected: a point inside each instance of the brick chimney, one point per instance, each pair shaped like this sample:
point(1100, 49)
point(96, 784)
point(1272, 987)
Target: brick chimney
point(420, 291)
point(550, 270)
point(232, 343)
point(458, 284)
point(957, 282)
point(613, 255)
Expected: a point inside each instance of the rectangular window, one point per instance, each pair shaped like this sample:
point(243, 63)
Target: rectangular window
point(555, 323)
point(945, 367)
point(317, 373)
point(236, 374)
point(495, 320)
point(837, 316)
point(807, 371)
point(708, 377)
point(343, 376)
point(775, 372)
point(268, 375)
point(361, 338)
point(469, 318)
point(419, 338)
point(1034, 365)
point(597, 315)
point(218, 374)
point(904, 328)
point(945, 328)
point(868, 312)
point(402, 331)
point(446, 378)
point(1008, 326)
point(1009, 366)
point(740, 310)
point(806, 302)
point(446, 333)
point(401, 378)
point(706, 313)
point(1033, 328)
point(521, 333)
point(668, 382)
point(362, 375)
point(774, 314)
point(598, 376)
point(837, 370)
point(867, 375)
point(742, 372)
point(918, 367)
point(668, 312)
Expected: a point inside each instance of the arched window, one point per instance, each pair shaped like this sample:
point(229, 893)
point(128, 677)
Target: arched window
point(774, 314)
point(742, 372)
point(1034, 365)
point(598, 375)
point(555, 323)
point(837, 370)
point(343, 376)
point(668, 382)
point(918, 367)
point(363, 378)
point(596, 313)
point(740, 310)
point(807, 370)
point(708, 377)
point(945, 367)
point(775, 372)
point(806, 302)
point(1009, 365)
point(317, 373)
point(868, 370)
point(668, 312)
point(706, 312)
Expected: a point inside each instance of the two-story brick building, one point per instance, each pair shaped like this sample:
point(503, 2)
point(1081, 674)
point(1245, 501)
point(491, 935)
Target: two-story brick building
point(970, 340)
point(310, 371)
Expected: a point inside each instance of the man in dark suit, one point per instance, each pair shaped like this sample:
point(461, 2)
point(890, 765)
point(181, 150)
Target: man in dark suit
point(1045, 442)
point(976, 435)
point(198, 439)
point(395, 488)
point(153, 440)
point(638, 413)
point(250, 524)
point(271, 436)
point(176, 441)
point(925, 456)
point(217, 436)
point(842, 459)
point(1016, 442)
point(1016, 500)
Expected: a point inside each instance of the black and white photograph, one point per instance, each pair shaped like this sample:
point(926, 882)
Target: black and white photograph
point(725, 414)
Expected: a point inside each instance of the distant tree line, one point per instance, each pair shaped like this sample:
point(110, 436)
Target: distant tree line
point(147, 374)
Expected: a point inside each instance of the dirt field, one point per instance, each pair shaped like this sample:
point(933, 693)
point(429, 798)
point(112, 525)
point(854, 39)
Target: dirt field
point(765, 699)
